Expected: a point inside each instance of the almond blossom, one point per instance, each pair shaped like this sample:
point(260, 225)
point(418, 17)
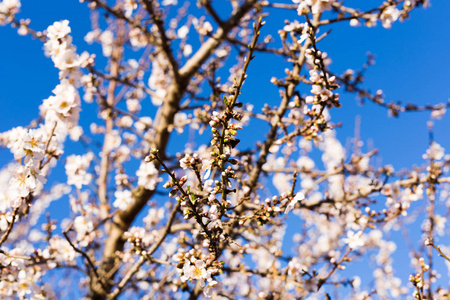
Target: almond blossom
point(354, 240)
point(8, 8)
point(389, 16)
point(266, 194)
point(77, 170)
point(147, 175)
point(123, 199)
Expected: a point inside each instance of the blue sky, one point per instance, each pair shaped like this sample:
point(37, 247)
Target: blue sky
point(412, 65)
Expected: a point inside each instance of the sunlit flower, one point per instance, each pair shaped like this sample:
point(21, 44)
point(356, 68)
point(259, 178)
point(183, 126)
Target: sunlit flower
point(354, 240)
point(123, 199)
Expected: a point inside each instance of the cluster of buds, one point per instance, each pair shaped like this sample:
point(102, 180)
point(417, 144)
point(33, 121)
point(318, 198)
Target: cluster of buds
point(323, 85)
point(152, 156)
point(417, 280)
point(218, 160)
point(189, 207)
point(212, 219)
point(229, 132)
point(269, 209)
point(226, 174)
point(218, 118)
point(423, 265)
point(175, 185)
point(188, 203)
point(299, 32)
point(191, 162)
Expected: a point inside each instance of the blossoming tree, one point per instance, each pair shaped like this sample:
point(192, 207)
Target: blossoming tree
point(169, 201)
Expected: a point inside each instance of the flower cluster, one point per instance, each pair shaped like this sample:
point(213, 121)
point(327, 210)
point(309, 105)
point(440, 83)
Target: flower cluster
point(21, 282)
point(354, 240)
point(195, 269)
point(123, 199)
point(148, 175)
point(313, 6)
point(434, 152)
point(8, 9)
point(64, 106)
point(139, 238)
point(191, 161)
point(59, 47)
point(323, 84)
point(36, 150)
point(229, 131)
point(29, 150)
point(59, 251)
point(158, 80)
point(77, 169)
point(389, 16)
point(212, 219)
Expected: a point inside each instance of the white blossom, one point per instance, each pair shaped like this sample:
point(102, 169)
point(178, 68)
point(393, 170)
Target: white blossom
point(123, 199)
point(354, 240)
point(148, 176)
